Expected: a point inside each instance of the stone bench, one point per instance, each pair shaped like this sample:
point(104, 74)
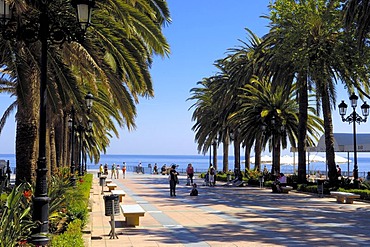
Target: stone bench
point(286, 189)
point(108, 180)
point(120, 193)
point(132, 213)
point(344, 197)
point(111, 186)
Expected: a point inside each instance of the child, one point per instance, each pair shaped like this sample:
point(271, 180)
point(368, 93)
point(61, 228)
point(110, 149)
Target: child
point(194, 191)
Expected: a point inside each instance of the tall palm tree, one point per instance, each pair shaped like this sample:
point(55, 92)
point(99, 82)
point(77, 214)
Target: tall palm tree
point(262, 103)
point(308, 36)
point(116, 54)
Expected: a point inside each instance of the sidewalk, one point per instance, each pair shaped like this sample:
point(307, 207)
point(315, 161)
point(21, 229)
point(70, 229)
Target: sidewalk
point(227, 216)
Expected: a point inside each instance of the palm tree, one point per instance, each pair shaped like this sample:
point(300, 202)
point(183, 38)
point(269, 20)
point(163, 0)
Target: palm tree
point(115, 55)
point(206, 125)
point(308, 37)
point(277, 110)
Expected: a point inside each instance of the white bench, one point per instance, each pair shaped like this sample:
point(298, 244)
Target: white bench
point(286, 189)
point(108, 180)
point(132, 213)
point(344, 197)
point(111, 186)
point(120, 194)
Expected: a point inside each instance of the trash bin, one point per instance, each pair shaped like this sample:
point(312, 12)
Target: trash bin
point(109, 207)
point(261, 180)
point(320, 187)
point(102, 180)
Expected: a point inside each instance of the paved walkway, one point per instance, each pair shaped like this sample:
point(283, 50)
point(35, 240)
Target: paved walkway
point(228, 216)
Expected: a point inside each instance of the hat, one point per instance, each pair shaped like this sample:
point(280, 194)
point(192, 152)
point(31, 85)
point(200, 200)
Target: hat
point(173, 166)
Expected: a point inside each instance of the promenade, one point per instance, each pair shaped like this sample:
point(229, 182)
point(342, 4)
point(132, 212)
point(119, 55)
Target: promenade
point(227, 216)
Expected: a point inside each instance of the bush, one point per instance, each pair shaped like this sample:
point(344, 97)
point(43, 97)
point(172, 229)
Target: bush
point(15, 218)
point(71, 237)
point(78, 200)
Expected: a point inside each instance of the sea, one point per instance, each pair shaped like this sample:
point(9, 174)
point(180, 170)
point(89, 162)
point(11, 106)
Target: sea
point(201, 163)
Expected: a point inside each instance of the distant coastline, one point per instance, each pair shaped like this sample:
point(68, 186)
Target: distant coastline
point(199, 161)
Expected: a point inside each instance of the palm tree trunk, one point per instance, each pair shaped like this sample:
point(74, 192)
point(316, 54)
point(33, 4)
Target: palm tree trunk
point(247, 155)
point(27, 125)
point(329, 138)
point(302, 128)
point(277, 153)
point(53, 154)
point(215, 155)
point(257, 151)
point(237, 152)
point(225, 158)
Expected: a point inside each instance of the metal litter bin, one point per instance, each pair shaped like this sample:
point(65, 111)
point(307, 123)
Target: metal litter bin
point(102, 180)
point(109, 208)
point(320, 187)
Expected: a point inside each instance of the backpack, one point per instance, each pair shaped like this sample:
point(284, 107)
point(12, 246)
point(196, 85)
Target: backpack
point(212, 171)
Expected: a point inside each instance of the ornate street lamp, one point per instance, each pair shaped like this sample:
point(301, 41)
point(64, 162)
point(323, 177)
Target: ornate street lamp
point(89, 98)
point(354, 118)
point(71, 125)
point(88, 133)
point(45, 21)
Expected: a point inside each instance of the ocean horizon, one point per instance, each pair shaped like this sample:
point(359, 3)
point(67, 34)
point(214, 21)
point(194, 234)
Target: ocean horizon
point(201, 162)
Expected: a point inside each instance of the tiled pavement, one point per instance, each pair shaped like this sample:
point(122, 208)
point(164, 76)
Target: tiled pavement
point(228, 216)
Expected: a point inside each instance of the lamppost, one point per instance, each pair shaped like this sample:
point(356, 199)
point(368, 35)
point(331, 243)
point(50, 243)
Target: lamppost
point(354, 118)
point(88, 131)
point(44, 21)
point(80, 130)
point(89, 98)
point(71, 125)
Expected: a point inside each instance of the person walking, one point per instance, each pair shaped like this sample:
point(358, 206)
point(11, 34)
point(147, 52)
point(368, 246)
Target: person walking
point(113, 171)
point(105, 169)
point(117, 171)
point(190, 173)
point(101, 170)
point(124, 169)
point(174, 180)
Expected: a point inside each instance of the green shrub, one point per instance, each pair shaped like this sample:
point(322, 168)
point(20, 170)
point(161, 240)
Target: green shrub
point(365, 194)
point(78, 200)
point(15, 218)
point(71, 237)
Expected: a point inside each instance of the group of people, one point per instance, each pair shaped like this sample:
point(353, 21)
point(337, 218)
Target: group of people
point(115, 170)
point(174, 180)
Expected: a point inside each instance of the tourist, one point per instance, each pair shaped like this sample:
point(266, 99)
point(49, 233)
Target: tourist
point(101, 170)
point(368, 177)
point(339, 171)
point(155, 169)
point(173, 179)
point(117, 171)
point(163, 169)
point(105, 169)
point(194, 191)
point(139, 168)
point(212, 173)
point(190, 173)
point(282, 179)
point(124, 169)
point(113, 171)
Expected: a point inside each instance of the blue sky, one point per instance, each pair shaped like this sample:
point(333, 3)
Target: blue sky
point(201, 32)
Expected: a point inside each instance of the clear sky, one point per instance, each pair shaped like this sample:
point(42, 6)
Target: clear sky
point(201, 32)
